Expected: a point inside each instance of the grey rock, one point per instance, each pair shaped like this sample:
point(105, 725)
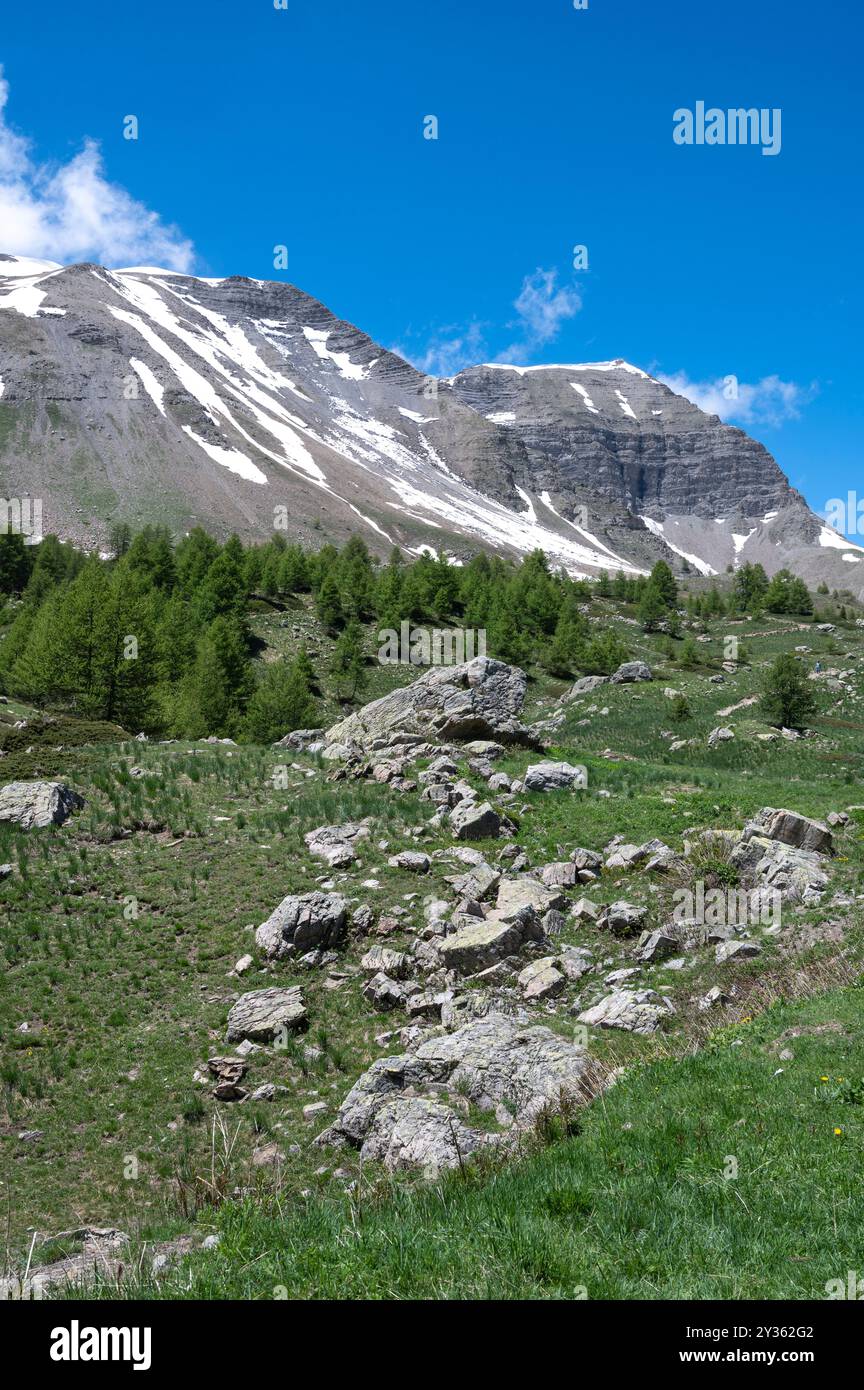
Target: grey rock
point(303, 922)
point(623, 918)
point(731, 950)
point(791, 828)
point(35, 805)
point(413, 860)
point(542, 979)
point(336, 844)
point(517, 894)
point(472, 821)
point(490, 1061)
point(547, 777)
point(265, 1014)
point(631, 671)
point(480, 699)
point(480, 944)
point(635, 1011)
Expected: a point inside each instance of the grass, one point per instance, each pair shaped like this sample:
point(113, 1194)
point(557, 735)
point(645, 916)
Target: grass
point(118, 932)
point(724, 1174)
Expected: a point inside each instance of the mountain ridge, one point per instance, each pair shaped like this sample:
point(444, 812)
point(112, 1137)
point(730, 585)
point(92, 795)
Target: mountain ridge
point(142, 394)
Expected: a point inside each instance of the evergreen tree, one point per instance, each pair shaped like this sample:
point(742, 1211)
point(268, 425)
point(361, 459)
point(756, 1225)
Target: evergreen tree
point(787, 696)
point(651, 609)
point(15, 562)
point(328, 604)
point(349, 662)
point(662, 580)
point(281, 702)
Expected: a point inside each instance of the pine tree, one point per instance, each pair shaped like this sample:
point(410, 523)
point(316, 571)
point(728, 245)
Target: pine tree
point(787, 697)
point(328, 604)
point(15, 563)
point(662, 580)
point(281, 702)
point(349, 662)
point(651, 609)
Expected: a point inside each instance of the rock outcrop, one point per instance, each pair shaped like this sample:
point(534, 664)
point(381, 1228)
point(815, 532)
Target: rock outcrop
point(481, 699)
point(499, 1066)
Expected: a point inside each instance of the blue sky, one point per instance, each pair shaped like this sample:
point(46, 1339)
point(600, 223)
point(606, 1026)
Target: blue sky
point(304, 127)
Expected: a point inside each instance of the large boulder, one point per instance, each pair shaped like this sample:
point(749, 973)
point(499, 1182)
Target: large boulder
point(631, 671)
point(549, 777)
point(336, 844)
point(791, 828)
point(492, 1062)
point(303, 922)
point(265, 1014)
point(481, 699)
point(471, 820)
point(487, 941)
point(35, 805)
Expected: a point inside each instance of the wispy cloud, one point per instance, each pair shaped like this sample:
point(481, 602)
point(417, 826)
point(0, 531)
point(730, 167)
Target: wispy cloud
point(770, 401)
point(71, 212)
point(541, 308)
point(541, 305)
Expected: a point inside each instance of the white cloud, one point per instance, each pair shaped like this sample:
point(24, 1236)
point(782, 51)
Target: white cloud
point(541, 308)
point(770, 401)
point(449, 351)
point(70, 212)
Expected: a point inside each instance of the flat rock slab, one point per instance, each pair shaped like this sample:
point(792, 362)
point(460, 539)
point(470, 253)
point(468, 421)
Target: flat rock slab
point(36, 805)
point(791, 828)
point(477, 946)
point(265, 1014)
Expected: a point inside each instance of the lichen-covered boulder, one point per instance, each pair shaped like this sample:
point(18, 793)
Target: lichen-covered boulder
point(35, 805)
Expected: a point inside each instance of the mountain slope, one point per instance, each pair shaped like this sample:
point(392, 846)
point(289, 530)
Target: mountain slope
point(239, 404)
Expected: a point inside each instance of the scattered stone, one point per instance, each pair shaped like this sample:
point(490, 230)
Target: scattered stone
point(412, 860)
point(728, 950)
point(470, 821)
point(656, 945)
point(631, 671)
point(384, 960)
point(623, 918)
point(720, 735)
point(476, 946)
point(542, 979)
